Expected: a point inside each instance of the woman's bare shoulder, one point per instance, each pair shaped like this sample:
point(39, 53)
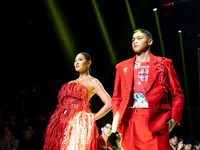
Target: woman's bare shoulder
point(72, 81)
point(94, 82)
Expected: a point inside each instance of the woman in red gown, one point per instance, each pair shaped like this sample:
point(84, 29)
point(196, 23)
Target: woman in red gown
point(72, 126)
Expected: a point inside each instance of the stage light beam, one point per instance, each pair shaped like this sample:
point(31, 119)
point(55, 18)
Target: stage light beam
point(159, 31)
point(62, 31)
point(185, 81)
point(130, 15)
point(104, 32)
point(198, 50)
point(183, 63)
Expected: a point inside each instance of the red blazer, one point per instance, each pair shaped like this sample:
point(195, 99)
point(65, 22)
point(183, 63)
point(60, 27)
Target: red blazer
point(161, 76)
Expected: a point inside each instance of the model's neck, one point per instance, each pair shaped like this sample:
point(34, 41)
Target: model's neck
point(83, 74)
point(144, 56)
point(105, 138)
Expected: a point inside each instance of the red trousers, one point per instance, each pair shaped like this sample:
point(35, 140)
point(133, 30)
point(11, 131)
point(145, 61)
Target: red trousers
point(136, 135)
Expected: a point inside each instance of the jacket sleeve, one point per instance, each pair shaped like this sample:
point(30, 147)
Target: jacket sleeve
point(116, 98)
point(177, 94)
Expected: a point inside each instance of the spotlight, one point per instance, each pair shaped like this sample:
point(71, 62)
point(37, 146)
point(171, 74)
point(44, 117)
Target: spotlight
point(155, 9)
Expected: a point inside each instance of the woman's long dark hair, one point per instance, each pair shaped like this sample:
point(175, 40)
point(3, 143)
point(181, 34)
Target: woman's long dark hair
point(88, 58)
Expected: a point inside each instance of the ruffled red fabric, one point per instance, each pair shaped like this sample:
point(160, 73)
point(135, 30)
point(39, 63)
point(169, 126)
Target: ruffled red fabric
point(72, 126)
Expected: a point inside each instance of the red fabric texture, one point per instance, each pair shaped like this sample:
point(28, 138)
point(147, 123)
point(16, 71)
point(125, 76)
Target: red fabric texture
point(137, 135)
point(102, 144)
point(72, 126)
point(161, 76)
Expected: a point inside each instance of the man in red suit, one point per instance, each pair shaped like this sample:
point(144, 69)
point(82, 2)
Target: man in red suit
point(141, 110)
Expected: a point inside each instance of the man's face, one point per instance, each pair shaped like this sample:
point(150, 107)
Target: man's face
point(106, 130)
point(140, 42)
point(174, 141)
point(197, 147)
point(187, 147)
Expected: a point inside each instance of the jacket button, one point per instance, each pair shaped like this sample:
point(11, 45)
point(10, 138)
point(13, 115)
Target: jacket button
point(135, 111)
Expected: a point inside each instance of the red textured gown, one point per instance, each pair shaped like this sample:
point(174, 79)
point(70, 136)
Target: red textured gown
point(72, 126)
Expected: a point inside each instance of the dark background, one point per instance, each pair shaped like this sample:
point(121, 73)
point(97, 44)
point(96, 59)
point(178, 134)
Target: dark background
point(34, 66)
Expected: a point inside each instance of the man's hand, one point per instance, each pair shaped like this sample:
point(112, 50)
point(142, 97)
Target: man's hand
point(171, 124)
point(180, 146)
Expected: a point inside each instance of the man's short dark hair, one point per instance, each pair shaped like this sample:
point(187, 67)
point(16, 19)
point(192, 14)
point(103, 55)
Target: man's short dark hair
point(187, 141)
point(196, 142)
point(172, 135)
point(105, 123)
point(147, 33)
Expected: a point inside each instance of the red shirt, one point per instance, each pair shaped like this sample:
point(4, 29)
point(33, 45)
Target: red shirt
point(141, 71)
point(101, 144)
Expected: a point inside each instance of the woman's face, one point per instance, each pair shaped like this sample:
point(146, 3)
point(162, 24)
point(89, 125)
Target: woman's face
point(80, 63)
point(28, 132)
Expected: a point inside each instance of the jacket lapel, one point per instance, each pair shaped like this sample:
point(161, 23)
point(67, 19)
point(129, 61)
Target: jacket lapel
point(152, 72)
point(129, 73)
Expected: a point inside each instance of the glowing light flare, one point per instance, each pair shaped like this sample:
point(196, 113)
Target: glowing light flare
point(177, 2)
point(155, 9)
point(168, 4)
point(104, 32)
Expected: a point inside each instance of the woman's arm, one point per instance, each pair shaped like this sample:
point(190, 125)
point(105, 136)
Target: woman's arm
point(104, 96)
point(116, 98)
